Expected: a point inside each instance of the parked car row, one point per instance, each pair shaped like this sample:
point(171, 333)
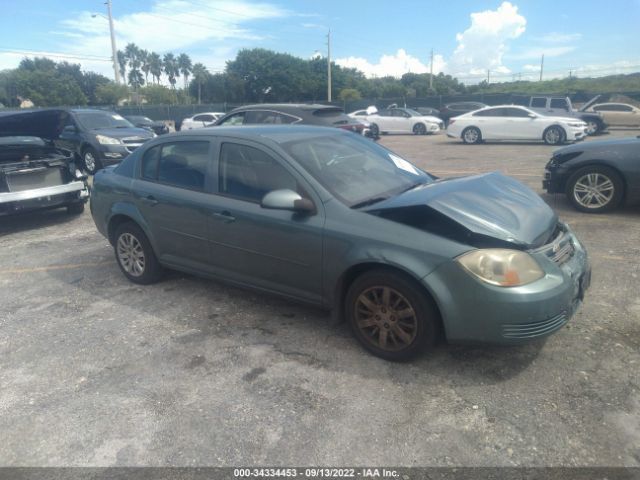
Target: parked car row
point(398, 120)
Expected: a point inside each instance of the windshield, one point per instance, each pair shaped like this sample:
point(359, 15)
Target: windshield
point(356, 171)
point(97, 120)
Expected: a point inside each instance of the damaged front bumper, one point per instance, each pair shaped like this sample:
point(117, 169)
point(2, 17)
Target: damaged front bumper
point(46, 197)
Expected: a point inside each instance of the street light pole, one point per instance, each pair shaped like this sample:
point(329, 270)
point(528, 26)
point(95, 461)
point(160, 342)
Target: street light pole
point(114, 51)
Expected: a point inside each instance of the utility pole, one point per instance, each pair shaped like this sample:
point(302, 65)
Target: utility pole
point(541, 66)
point(329, 66)
point(114, 54)
point(488, 77)
point(431, 72)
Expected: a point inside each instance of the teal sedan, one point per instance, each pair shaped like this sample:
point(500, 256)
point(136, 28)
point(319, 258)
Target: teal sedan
point(332, 219)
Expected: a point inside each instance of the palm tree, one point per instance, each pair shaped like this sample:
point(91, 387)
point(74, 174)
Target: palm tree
point(155, 66)
point(170, 66)
point(184, 65)
point(144, 61)
point(199, 75)
point(122, 63)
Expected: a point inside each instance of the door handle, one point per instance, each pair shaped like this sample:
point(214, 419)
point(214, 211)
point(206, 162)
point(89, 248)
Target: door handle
point(150, 199)
point(225, 216)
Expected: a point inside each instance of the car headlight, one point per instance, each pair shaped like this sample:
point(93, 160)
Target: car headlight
point(103, 140)
point(579, 124)
point(502, 267)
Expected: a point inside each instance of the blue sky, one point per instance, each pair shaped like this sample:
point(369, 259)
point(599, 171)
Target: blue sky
point(378, 37)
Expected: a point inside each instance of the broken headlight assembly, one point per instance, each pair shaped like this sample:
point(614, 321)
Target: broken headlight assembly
point(502, 267)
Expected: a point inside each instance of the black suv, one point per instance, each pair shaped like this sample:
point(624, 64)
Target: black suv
point(97, 137)
point(288, 113)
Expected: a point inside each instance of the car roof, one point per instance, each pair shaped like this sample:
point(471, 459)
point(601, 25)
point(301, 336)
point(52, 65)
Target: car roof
point(276, 133)
point(288, 107)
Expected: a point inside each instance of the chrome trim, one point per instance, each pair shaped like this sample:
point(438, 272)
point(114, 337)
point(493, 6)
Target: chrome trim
point(7, 197)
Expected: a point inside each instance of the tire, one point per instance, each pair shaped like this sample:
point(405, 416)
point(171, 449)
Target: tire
point(419, 129)
point(135, 256)
point(584, 183)
point(554, 135)
point(370, 312)
point(91, 160)
point(75, 208)
point(471, 135)
point(594, 127)
point(374, 129)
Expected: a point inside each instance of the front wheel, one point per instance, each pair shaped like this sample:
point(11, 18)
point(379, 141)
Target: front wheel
point(471, 135)
point(390, 315)
point(595, 189)
point(75, 208)
point(419, 129)
point(374, 129)
point(135, 256)
point(593, 127)
point(553, 135)
point(91, 161)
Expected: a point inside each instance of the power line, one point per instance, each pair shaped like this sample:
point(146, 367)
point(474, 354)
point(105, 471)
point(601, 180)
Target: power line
point(55, 54)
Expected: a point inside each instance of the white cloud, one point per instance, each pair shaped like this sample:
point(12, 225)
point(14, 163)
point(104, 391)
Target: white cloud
point(167, 26)
point(555, 37)
point(482, 46)
point(531, 68)
point(537, 52)
point(393, 65)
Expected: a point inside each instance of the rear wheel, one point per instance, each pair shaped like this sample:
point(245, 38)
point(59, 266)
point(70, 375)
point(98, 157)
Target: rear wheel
point(75, 208)
point(471, 135)
point(595, 189)
point(419, 129)
point(135, 256)
point(390, 315)
point(375, 130)
point(554, 135)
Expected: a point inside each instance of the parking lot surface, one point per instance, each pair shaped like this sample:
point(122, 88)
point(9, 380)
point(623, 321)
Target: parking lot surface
point(97, 371)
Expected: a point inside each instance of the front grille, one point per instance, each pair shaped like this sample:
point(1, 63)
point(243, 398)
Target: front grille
point(560, 249)
point(534, 329)
point(133, 141)
point(29, 179)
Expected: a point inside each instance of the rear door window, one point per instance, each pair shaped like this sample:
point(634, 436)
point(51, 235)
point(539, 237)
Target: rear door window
point(181, 164)
point(539, 102)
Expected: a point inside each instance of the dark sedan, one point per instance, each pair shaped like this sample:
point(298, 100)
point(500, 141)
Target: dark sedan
point(451, 110)
point(596, 176)
point(140, 121)
point(330, 218)
point(288, 114)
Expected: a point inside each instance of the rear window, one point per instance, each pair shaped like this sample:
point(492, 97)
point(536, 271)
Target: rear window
point(328, 112)
point(538, 102)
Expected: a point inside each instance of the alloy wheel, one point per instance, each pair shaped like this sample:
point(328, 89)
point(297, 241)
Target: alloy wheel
point(552, 136)
point(592, 127)
point(131, 254)
point(386, 319)
point(90, 162)
point(593, 190)
point(471, 135)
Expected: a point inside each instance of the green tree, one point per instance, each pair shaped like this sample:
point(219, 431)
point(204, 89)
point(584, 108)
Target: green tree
point(158, 95)
point(200, 74)
point(155, 66)
point(145, 66)
point(349, 94)
point(170, 67)
point(122, 63)
point(111, 93)
point(185, 67)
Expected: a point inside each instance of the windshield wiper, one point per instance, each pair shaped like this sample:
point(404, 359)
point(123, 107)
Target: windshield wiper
point(369, 201)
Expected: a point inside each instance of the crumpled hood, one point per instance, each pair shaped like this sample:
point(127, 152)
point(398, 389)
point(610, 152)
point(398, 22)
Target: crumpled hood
point(490, 204)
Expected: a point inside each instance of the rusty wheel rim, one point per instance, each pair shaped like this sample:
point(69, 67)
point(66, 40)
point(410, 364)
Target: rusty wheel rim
point(385, 318)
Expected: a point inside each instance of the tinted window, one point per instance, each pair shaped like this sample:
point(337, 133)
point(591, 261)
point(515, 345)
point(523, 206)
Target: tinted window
point(396, 112)
point(182, 164)
point(204, 118)
point(384, 113)
point(267, 117)
point(515, 112)
point(491, 112)
point(559, 103)
point(538, 102)
point(249, 174)
point(235, 119)
point(613, 108)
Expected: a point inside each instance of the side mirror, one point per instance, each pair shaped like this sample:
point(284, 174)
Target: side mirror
point(70, 129)
point(286, 199)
